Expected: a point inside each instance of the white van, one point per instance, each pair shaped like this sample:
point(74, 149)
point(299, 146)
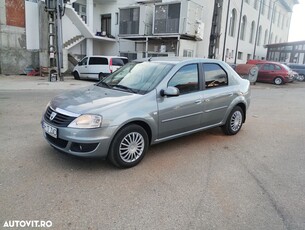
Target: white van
point(97, 67)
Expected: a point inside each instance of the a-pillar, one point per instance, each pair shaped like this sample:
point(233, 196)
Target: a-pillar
point(89, 41)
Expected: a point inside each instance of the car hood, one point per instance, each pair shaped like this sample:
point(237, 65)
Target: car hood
point(92, 99)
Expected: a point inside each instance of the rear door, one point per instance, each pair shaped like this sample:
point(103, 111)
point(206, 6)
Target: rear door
point(217, 95)
point(267, 73)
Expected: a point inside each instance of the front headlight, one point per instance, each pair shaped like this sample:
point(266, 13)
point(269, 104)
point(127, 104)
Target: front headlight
point(87, 121)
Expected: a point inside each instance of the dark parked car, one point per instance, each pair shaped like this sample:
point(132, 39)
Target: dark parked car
point(299, 68)
point(272, 72)
point(146, 102)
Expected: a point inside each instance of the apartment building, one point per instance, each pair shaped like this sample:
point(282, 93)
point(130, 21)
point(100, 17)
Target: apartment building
point(232, 30)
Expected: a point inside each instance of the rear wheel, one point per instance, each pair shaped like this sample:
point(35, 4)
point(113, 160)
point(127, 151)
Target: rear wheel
point(278, 81)
point(234, 121)
point(128, 146)
point(101, 76)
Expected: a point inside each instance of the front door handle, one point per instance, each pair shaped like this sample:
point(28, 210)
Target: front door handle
point(199, 101)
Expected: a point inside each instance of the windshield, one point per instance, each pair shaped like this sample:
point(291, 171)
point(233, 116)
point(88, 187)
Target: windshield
point(286, 67)
point(137, 77)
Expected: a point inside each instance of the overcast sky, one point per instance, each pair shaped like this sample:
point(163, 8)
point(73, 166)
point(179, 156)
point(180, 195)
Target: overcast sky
point(297, 27)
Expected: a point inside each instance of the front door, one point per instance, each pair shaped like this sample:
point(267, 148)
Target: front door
point(182, 113)
point(82, 68)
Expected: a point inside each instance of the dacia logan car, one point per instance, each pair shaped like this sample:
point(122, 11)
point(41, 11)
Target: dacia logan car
point(144, 103)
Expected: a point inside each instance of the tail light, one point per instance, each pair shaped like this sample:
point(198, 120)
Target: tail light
point(110, 65)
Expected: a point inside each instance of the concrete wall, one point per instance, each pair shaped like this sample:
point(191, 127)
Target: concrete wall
point(13, 54)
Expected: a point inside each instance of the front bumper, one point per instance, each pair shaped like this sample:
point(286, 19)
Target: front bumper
point(81, 142)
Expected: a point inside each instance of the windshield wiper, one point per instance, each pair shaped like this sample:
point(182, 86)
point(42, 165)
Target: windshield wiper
point(125, 88)
point(104, 84)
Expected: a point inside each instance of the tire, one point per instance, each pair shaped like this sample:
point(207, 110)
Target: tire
point(278, 81)
point(101, 76)
point(76, 75)
point(301, 77)
point(234, 121)
point(128, 147)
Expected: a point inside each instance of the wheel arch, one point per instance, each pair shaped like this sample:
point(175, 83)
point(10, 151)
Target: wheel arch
point(143, 124)
point(243, 107)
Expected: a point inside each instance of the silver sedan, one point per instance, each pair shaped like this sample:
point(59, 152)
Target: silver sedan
point(143, 103)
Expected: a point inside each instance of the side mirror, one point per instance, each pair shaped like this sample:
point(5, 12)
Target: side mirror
point(170, 92)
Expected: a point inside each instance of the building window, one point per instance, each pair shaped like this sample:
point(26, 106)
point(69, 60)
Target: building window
point(167, 18)
point(274, 15)
point(116, 18)
point(129, 21)
point(255, 4)
point(266, 37)
point(259, 36)
point(263, 7)
point(232, 24)
point(240, 55)
point(252, 32)
point(106, 24)
point(249, 56)
point(269, 9)
point(279, 19)
point(188, 53)
point(243, 27)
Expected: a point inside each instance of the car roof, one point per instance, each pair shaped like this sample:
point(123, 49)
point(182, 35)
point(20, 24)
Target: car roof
point(176, 60)
point(106, 56)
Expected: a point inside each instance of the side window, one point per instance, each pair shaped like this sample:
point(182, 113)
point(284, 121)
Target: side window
point(277, 67)
point(215, 76)
point(186, 79)
point(84, 61)
point(98, 61)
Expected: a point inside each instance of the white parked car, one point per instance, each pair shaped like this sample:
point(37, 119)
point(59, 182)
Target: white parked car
point(97, 67)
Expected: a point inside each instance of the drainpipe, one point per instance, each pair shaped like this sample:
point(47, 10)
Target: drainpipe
point(237, 42)
point(257, 28)
point(226, 28)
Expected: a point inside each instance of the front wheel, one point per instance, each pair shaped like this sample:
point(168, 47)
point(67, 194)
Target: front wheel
point(278, 81)
point(234, 121)
point(76, 75)
point(128, 146)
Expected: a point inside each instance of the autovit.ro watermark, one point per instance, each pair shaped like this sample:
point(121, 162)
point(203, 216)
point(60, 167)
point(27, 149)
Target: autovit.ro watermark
point(27, 224)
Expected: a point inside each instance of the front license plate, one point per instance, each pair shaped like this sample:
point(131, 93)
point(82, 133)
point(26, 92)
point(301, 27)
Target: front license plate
point(52, 131)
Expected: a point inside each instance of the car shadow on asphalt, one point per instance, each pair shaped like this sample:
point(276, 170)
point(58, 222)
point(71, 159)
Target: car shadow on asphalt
point(63, 160)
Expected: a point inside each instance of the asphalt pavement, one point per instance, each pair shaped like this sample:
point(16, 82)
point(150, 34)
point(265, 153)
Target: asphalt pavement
point(253, 180)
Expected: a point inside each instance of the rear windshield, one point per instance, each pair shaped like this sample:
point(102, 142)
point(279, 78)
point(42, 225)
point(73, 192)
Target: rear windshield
point(119, 61)
point(98, 61)
point(286, 67)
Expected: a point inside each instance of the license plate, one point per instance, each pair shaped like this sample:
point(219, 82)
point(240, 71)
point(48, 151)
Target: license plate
point(52, 131)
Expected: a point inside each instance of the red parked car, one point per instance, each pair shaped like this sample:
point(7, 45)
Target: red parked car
point(272, 72)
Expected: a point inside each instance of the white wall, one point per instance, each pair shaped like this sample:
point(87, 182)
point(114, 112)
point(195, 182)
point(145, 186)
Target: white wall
point(32, 25)
point(69, 29)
